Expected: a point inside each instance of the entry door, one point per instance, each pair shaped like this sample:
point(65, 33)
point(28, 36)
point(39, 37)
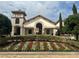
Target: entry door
point(16, 30)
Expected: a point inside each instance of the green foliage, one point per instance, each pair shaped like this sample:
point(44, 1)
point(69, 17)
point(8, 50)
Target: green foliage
point(74, 9)
point(37, 37)
point(76, 29)
point(5, 25)
point(60, 20)
point(72, 25)
point(71, 22)
point(57, 40)
point(3, 41)
point(60, 26)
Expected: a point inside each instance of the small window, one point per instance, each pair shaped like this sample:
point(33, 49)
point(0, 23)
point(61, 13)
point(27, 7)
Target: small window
point(48, 31)
point(17, 21)
point(30, 31)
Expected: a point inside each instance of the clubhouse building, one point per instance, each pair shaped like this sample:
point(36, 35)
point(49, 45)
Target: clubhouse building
point(36, 25)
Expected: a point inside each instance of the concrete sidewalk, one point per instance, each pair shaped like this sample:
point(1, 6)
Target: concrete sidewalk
point(38, 54)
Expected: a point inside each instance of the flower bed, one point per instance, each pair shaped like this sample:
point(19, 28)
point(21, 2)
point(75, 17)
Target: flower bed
point(38, 46)
point(45, 46)
point(29, 46)
point(13, 46)
point(20, 46)
point(25, 46)
point(26, 43)
point(53, 46)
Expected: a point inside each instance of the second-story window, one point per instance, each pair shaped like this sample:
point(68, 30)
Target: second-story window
point(17, 21)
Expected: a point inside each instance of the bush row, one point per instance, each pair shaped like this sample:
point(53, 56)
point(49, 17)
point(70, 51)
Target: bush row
point(28, 38)
point(32, 37)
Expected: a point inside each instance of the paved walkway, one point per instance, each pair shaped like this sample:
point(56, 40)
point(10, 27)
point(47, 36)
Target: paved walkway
point(39, 54)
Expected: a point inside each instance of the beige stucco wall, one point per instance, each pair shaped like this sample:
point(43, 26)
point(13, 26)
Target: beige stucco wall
point(21, 20)
point(14, 18)
point(32, 24)
point(58, 24)
point(17, 15)
point(45, 23)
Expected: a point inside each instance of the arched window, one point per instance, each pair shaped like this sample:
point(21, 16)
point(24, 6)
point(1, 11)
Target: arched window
point(17, 21)
point(39, 27)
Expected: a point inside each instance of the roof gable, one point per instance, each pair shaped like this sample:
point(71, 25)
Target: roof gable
point(41, 17)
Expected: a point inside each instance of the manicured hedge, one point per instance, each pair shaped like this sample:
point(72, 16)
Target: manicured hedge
point(37, 37)
point(29, 38)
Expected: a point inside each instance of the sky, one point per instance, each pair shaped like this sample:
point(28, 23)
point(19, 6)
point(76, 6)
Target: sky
point(48, 9)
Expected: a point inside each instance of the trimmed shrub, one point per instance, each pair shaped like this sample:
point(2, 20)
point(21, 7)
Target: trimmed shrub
point(4, 40)
point(37, 37)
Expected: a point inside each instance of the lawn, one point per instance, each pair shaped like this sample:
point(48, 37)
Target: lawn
point(51, 44)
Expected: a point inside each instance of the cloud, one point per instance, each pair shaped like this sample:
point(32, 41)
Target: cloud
point(49, 9)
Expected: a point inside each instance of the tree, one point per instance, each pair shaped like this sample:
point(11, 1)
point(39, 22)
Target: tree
point(76, 31)
point(60, 25)
point(60, 20)
point(5, 25)
point(74, 9)
point(72, 25)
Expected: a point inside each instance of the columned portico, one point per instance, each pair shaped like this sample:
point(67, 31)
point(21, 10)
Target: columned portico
point(35, 31)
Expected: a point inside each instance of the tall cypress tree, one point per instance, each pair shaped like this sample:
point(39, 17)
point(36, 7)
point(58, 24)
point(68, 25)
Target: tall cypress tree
point(60, 20)
point(60, 25)
point(74, 9)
